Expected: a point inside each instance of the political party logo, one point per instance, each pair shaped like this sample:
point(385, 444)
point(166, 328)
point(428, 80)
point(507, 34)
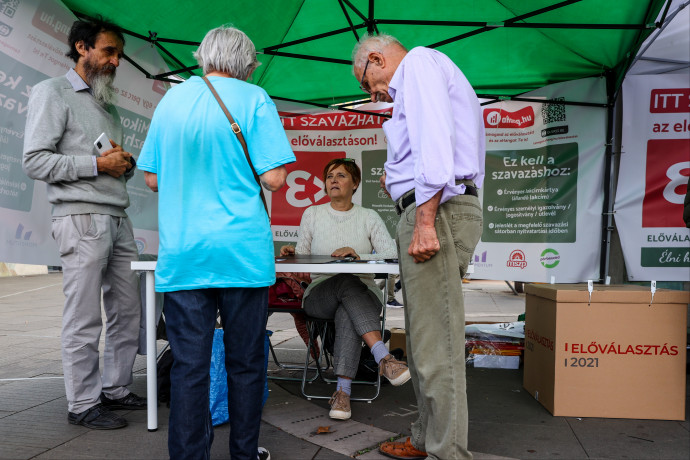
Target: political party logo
point(480, 260)
point(550, 258)
point(517, 259)
point(304, 187)
point(667, 172)
point(20, 234)
point(53, 19)
point(141, 244)
point(499, 118)
point(22, 237)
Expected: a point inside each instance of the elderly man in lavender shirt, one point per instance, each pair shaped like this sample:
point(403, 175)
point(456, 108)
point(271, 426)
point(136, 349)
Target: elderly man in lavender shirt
point(435, 165)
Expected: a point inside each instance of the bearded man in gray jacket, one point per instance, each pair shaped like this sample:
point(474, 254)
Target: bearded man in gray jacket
point(94, 235)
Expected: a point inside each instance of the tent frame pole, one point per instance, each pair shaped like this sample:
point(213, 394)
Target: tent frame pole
point(518, 25)
point(504, 23)
point(349, 19)
point(355, 10)
point(307, 57)
point(326, 106)
point(607, 207)
point(499, 98)
point(175, 60)
point(352, 28)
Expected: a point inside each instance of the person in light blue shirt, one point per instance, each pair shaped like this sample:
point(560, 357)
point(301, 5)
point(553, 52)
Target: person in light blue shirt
point(216, 247)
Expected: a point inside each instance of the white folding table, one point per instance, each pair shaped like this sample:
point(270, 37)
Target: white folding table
point(303, 264)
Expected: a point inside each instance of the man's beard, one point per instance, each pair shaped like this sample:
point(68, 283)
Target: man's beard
point(101, 82)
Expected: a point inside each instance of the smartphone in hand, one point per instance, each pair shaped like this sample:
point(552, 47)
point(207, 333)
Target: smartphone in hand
point(102, 144)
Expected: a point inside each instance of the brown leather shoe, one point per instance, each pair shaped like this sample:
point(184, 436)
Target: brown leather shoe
point(395, 371)
point(402, 450)
point(340, 406)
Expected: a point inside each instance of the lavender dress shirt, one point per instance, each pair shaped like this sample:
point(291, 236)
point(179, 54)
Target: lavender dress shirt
point(436, 133)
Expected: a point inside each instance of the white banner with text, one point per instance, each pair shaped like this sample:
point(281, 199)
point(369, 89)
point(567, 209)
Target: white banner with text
point(654, 170)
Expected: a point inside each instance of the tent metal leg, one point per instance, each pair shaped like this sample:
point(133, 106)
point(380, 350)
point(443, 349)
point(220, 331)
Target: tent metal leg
point(607, 211)
point(512, 288)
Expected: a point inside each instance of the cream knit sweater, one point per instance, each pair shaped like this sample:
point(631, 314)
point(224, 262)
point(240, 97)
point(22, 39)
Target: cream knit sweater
point(323, 230)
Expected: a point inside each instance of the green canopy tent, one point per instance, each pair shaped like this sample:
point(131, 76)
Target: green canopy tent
point(504, 47)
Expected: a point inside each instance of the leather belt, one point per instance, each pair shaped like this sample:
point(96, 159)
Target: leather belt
point(408, 198)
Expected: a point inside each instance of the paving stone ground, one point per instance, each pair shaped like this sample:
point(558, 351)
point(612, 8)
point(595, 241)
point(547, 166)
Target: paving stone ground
point(505, 421)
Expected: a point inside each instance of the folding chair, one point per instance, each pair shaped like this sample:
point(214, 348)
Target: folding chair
point(293, 306)
point(318, 327)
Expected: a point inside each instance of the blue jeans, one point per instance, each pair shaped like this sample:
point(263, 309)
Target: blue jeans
point(190, 320)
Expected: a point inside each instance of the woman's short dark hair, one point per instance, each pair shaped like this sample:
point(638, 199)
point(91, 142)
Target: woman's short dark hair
point(349, 165)
point(87, 31)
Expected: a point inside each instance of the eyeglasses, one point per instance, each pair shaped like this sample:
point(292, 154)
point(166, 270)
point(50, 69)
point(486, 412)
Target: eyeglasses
point(346, 159)
point(364, 74)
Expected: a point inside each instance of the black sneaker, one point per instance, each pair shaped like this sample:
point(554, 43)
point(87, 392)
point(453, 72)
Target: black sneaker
point(97, 417)
point(129, 402)
point(263, 454)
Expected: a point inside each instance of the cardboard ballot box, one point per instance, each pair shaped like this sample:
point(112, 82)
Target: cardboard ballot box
point(615, 356)
point(398, 340)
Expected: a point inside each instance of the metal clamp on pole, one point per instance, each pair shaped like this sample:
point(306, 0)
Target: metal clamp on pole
point(653, 289)
point(590, 288)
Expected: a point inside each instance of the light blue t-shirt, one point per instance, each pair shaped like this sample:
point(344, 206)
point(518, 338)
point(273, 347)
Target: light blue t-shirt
point(212, 226)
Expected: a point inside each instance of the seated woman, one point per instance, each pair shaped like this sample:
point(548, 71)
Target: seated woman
point(343, 229)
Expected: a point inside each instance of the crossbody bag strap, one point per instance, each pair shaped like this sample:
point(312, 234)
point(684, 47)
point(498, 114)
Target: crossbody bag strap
point(238, 132)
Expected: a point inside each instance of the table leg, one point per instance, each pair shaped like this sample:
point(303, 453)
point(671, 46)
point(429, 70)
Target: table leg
point(151, 375)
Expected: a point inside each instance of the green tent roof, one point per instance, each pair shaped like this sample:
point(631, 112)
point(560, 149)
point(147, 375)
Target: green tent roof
point(504, 47)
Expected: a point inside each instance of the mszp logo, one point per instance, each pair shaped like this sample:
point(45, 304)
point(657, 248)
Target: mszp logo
point(517, 259)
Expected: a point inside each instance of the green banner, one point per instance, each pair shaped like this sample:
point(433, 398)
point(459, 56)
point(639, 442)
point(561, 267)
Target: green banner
point(530, 196)
point(373, 197)
point(665, 257)
point(16, 79)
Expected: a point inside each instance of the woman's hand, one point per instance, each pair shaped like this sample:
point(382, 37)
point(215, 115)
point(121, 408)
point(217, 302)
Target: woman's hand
point(345, 252)
point(287, 250)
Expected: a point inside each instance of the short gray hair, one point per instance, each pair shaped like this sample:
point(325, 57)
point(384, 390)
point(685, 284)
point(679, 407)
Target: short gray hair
point(226, 49)
point(375, 43)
